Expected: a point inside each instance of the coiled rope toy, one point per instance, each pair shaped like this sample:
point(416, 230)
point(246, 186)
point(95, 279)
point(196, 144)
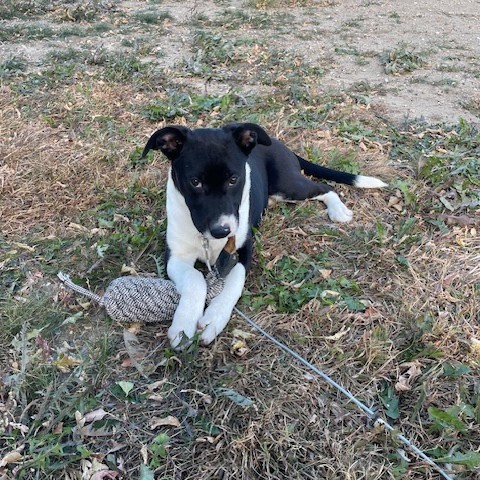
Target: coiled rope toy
point(151, 300)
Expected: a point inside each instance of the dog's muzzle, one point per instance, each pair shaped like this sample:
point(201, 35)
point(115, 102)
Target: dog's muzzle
point(224, 227)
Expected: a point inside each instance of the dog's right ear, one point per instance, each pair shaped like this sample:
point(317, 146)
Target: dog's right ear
point(169, 140)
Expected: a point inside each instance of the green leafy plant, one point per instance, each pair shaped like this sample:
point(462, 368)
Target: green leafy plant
point(390, 401)
point(158, 449)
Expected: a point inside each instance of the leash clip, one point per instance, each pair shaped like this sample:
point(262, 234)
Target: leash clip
point(206, 245)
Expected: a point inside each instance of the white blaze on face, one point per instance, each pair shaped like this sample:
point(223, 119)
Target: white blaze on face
point(229, 221)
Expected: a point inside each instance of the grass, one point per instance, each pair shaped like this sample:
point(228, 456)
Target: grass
point(23, 8)
point(12, 66)
point(152, 17)
point(387, 305)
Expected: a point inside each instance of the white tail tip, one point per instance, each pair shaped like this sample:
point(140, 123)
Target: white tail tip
point(368, 182)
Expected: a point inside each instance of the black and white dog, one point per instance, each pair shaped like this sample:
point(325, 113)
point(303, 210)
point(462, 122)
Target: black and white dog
point(218, 186)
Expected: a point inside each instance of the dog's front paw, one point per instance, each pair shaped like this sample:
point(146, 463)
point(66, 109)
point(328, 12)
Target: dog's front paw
point(211, 326)
point(179, 338)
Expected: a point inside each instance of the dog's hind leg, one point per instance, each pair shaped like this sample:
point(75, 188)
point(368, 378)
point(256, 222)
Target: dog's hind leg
point(302, 188)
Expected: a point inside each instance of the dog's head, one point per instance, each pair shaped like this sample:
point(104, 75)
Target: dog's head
point(209, 170)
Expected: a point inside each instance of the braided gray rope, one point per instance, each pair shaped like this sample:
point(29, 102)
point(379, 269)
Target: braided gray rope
point(140, 299)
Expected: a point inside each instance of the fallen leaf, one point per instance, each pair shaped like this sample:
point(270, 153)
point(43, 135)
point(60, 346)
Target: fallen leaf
point(89, 431)
point(205, 397)
point(127, 363)
point(11, 457)
point(406, 380)
point(170, 421)
point(24, 246)
point(126, 387)
point(116, 446)
point(79, 418)
point(461, 220)
point(76, 226)
point(129, 270)
point(95, 415)
point(239, 348)
point(58, 428)
point(207, 439)
point(19, 426)
point(475, 347)
point(155, 397)
point(274, 261)
point(102, 474)
point(65, 363)
point(235, 397)
point(329, 293)
point(393, 200)
point(237, 333)
point(402, 384)
point(133, 346)
point(153, 386)
point(117, 217)
point(338, 335)
point(96, 470)
point(144, 453)
point(325, 273)
point(134, 328)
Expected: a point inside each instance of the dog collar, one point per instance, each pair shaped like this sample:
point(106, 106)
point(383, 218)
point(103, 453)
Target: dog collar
point(227, 259)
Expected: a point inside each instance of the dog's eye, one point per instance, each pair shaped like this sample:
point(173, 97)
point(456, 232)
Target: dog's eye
point(196, 183)
point(233, 180)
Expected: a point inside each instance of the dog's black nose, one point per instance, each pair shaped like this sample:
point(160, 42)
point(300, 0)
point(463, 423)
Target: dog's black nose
point(220, 231)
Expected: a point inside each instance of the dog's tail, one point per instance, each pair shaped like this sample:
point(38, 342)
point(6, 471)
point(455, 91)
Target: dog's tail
point(359, 181)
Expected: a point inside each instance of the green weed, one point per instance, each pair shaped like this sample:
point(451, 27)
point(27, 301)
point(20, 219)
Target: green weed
point(446, 159)
point(12, 66)
point(400, 60)
point(291, 283)
point(152, 17)
point(218, 109)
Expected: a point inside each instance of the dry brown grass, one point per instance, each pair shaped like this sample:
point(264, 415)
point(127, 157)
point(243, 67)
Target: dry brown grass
point(66, 150)
point(49, 176)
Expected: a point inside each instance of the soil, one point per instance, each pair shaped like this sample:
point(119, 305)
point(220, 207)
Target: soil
point(447, 34)
point(347, 38)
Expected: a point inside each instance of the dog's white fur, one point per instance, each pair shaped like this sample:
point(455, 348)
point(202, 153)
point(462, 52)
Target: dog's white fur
point(362, 181)
point(336, 209)
point(186, 247)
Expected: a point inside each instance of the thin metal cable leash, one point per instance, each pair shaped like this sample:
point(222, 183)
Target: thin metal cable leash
point(376, 419)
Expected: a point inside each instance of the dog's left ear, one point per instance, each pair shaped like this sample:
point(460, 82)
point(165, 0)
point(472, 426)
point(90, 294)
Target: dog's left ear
point(247, 135)
point(168, 140)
